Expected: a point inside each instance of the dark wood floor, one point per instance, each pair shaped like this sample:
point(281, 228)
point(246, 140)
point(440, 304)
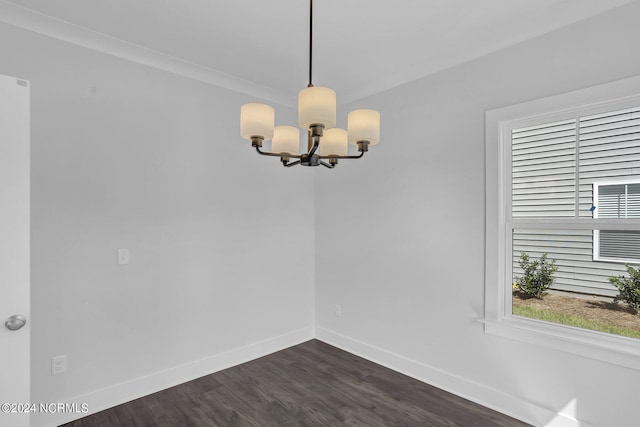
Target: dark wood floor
point(311, 384)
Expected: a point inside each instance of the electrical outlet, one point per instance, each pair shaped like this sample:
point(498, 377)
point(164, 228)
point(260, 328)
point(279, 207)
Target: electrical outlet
point(338, 310)
point(58, 365)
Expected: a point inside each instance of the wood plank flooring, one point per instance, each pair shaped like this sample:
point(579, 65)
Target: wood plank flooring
point(311, 384)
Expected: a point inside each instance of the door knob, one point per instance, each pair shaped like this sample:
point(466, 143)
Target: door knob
point(15, 322)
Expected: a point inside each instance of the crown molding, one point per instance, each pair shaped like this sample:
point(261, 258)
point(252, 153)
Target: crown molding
point(46, 25)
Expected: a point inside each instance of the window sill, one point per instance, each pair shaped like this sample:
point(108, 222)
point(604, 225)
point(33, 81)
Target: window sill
point(600, 346)
point(617, 260)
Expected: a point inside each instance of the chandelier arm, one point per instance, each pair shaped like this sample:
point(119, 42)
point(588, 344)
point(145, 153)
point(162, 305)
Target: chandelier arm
point(314, 147)
point(343, 157)
point(288, 165)
point(264, 153)
point(327, 165)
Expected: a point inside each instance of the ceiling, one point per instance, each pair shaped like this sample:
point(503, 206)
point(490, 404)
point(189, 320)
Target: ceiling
point(360, 46)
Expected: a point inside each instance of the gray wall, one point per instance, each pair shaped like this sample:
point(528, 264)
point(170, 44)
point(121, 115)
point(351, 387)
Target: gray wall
point(125, 156)
point(400, 236)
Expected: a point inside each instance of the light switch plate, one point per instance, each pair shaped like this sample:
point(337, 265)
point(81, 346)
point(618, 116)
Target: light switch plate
point(123, 256)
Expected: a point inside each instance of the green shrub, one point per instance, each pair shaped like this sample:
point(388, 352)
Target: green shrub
point(537, 277)
point(629, 287)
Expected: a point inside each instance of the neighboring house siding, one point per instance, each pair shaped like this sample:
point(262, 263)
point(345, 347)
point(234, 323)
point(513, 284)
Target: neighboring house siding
point(573, 252)
point(544, 186)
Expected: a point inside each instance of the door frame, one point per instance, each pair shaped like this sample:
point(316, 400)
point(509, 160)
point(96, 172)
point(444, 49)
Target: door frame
point(15, 224)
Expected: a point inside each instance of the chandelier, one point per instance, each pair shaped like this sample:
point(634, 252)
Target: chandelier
point(317, 116)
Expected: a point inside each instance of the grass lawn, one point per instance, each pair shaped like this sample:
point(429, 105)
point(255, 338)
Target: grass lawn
point(618, 319)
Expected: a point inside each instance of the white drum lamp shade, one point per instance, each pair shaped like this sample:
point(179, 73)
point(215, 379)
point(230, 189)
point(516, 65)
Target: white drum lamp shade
point(316, 106)
point(334, 142)
point(363, 125)
point(286, 140)
point(257, 120)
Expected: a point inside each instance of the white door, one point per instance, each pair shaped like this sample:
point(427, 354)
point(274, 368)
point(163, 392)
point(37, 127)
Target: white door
point(14, 251)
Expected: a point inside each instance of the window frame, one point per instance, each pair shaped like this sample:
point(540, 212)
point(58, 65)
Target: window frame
point(596, 233)
point(498, 319)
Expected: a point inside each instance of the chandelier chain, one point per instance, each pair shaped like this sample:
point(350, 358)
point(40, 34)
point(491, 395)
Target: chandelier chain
point(310, 42)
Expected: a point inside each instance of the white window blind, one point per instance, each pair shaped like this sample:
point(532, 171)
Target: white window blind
point(621, 201)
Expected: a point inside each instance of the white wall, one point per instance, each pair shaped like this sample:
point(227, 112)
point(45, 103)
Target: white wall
point(125, 156)
point(400, 236)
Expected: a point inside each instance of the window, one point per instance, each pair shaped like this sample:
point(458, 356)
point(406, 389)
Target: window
point(554, 168)
point(563, 178)
point(616, 200)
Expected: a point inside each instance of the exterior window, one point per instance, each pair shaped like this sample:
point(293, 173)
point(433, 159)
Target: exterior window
point(563, 185)
point(556, 173)
point(622, 201)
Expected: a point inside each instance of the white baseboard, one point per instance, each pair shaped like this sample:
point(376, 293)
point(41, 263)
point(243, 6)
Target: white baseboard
point(117, 394)
point(497, 400)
